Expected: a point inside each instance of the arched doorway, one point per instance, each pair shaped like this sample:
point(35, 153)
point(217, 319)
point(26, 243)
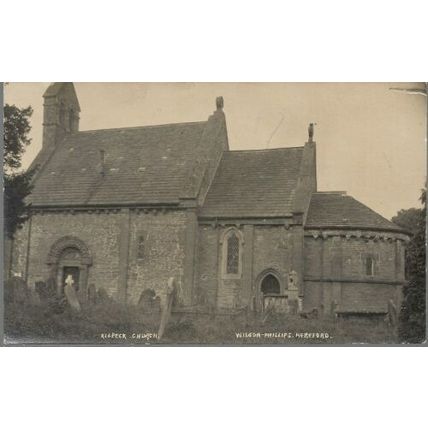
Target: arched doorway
point(270, 285)
point(69, 268)
point(69, 260)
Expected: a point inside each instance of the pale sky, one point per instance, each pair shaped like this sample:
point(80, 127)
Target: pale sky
point(371, 141)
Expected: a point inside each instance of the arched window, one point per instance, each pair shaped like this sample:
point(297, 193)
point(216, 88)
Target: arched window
point(140, 248)
point(232, 254)
point(232, 265)
point(370, 266)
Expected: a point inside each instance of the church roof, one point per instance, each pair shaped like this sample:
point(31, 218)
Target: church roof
point(336, 209)
point(254, 183)
point(142, 165)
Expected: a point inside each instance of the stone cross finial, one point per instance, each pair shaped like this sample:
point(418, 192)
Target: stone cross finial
point(69, 280)
point(219, 103)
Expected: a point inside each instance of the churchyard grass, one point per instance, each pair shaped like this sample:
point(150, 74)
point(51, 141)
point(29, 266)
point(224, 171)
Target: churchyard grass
point(112, 323)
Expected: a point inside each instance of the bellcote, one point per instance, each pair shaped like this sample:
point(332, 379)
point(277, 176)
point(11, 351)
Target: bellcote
point(61, 111)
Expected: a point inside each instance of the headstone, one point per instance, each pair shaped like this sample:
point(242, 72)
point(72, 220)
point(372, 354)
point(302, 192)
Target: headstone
point(392, 313)
point(20, 290)
point(102, 296)
point(146, 299)
point(92, 294)
point(51, 288)
point(167, 308)
point(71, 296)
point(41, 290)
point(69, 280)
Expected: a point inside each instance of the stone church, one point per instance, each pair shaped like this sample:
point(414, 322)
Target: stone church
point(126, 209)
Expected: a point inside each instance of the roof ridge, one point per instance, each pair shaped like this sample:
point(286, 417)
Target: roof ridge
point(264, 150)
point(332, 192)
point(141, 127)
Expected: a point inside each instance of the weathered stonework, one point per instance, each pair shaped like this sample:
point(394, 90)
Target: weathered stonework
point(335, 269)
point(127, 209)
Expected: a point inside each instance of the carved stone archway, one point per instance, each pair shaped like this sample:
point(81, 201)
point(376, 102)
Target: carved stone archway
point(268, 273)
point(59, 258)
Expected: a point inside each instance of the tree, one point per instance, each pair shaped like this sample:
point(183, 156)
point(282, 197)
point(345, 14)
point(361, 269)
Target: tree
point(412, 327)
point(17, 184)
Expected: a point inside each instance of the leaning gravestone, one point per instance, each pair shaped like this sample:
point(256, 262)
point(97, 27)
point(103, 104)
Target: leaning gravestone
point(392, 314)
point(92, 294)
point(71, 296)
point(167, 308)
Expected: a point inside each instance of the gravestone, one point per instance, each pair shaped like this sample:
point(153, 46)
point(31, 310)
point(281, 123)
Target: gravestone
point(20, 290)
point(156, 304)
point(392, 314)
point(42, 291)
point(92, 294)
point(71, 296)
point(167, 307)
point(149, 302)
point(102, 296)
point(38, 294)
point(51, 288)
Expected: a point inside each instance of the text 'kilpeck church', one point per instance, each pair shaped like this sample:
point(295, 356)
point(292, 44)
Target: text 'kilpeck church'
point(126, 209)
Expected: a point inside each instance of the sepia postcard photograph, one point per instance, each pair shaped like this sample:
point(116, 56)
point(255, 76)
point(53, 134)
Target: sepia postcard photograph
point(222, 214)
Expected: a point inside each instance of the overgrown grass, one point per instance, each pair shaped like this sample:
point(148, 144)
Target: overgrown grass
point(104, 323)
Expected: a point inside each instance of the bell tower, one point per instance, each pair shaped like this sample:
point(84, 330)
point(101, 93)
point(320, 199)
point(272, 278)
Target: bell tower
point(60, 112)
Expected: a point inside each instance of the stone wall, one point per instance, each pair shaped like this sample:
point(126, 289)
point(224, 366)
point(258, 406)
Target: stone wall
point(264, 249)
point(162, 254)
point(100, 232)
point(335, 270)
point(206, 277)
point(112, 239)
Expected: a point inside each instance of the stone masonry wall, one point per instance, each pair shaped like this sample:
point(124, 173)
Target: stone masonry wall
point(335, 269)
point(264, 248)
point(105, 234)
point(163, 253)
point(100, 232)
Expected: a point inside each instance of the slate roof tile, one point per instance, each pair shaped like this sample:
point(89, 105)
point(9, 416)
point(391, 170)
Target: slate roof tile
point(142, 165)
point(254, 183)
point(339, 210)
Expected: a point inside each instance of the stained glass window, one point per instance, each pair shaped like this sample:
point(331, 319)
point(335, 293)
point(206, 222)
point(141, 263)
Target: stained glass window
point(232, 265)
